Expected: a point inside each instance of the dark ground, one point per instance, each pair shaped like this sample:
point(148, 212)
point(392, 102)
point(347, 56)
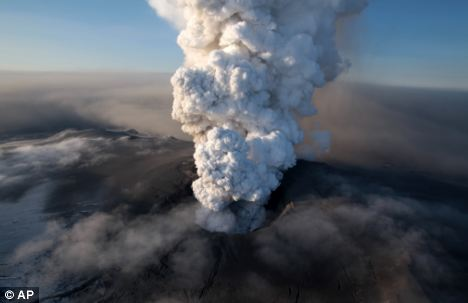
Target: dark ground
point(125, 230)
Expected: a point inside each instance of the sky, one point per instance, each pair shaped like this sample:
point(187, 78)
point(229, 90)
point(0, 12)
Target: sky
point(419, 43)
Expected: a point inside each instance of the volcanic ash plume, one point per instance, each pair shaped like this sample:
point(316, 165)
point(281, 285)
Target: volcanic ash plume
point(251, 69)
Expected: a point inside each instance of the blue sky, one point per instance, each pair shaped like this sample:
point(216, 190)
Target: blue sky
point(397, 42)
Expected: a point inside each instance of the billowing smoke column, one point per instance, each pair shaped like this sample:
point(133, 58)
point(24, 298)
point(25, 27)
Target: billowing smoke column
point(251, 69)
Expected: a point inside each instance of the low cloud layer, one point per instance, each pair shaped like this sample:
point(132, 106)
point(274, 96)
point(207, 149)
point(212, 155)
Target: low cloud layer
point(27, 163)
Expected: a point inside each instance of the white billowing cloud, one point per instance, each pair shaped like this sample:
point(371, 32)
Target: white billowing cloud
point(62, 153)
point(170, 10)
point(251, 67)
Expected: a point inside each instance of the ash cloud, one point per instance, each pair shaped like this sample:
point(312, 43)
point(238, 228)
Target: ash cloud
point(251, 67)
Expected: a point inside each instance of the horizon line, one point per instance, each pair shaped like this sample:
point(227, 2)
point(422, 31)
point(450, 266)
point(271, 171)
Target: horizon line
point(342, 79)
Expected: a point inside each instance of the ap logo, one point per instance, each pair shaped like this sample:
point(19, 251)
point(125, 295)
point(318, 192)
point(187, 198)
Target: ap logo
point(19, 294)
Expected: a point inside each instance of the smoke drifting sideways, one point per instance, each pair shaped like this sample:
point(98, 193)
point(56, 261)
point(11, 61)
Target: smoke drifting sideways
point(251, 69)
